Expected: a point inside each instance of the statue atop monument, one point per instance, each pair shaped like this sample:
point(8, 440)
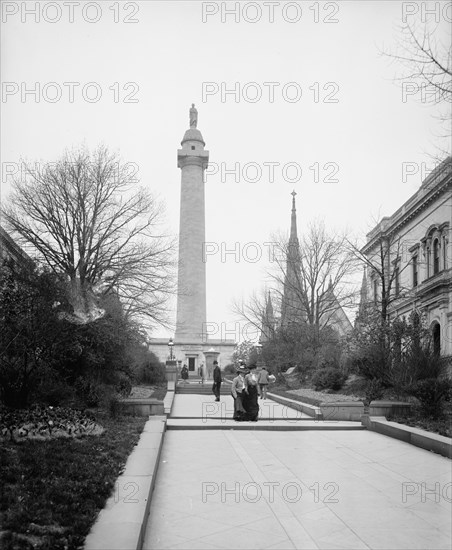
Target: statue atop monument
point(193, 116)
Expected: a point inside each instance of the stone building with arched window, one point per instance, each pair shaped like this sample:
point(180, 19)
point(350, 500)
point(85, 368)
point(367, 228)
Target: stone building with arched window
point(414, 250)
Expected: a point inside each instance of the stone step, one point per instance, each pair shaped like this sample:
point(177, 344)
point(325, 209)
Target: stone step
point(268, 425)
point(224, 418)
point(202, 390)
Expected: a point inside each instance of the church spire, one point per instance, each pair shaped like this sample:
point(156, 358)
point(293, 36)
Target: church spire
point(269, 308)
point(293, 221)
point(268, 321)
point(292, 309)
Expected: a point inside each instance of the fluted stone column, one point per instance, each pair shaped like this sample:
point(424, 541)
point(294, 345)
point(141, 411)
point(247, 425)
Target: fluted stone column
point(192, 159)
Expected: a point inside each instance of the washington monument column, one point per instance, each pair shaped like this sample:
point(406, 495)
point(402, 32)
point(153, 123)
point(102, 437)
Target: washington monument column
point(192, 159)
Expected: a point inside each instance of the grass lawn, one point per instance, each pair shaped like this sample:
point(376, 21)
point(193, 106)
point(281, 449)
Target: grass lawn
point(53, 490)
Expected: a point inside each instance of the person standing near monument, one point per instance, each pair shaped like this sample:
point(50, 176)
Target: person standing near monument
point(184, 373)
point(262, 380)
point(217, 379)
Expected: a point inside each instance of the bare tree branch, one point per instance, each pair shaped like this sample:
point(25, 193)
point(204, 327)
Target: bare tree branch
point(85, 217)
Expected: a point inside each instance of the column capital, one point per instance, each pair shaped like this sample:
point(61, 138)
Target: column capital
point(187, 158)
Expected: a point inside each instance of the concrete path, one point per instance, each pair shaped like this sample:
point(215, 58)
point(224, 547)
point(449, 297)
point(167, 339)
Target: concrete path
point(205, 407)
point(304, 489)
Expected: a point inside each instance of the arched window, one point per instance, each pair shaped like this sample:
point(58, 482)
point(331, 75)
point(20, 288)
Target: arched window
point(415, 270)
point(397, 281)
point(436, 334)
point(435, 256)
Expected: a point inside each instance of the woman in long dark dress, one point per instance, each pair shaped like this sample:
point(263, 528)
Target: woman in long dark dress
point(238, 393)
point(250, 402)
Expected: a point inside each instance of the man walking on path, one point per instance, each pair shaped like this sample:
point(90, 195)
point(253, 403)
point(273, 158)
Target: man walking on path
point(263, 382)
point(216, 381)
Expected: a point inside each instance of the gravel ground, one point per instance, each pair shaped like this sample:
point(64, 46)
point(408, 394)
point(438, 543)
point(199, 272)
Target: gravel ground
point(326, 397)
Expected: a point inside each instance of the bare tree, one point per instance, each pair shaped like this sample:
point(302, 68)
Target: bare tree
point(252, 312)
point(385, 268)
point(325, 269)
point(426, 56)
point(428, 61)
point(86, 218)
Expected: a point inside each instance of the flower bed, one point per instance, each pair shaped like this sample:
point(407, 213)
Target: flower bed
point(42, 422)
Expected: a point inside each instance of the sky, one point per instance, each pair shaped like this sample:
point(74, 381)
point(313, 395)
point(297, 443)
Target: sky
point(295, 95)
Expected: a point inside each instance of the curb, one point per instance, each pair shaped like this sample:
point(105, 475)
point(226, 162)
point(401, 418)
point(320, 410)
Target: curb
point(121, 524)
point(168, 403)
point(415, 436)
point(259, 426)
point(310, 410)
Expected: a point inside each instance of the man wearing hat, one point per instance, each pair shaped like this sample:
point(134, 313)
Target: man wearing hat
point(216, 381)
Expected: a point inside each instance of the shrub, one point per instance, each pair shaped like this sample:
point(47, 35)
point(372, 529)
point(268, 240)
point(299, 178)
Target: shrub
point(328, 378)
point(124, 387)
point(431, 393)
point(150, 374)
point(114, 406)
point(373, 390)
point(89, 391)
point(229, 369)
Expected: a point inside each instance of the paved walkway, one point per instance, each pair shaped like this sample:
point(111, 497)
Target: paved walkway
point(205, 407)
point(304, 489)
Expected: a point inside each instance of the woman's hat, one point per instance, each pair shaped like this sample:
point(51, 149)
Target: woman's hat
point(242, 368)
point(253, 366)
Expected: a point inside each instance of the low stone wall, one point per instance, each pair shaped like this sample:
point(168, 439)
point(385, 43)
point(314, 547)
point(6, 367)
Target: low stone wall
point(310, 410)
point(142, 407)
point(342, 410)
point(332, 412)
point(169, 397)
point(389, 408)
point(415, 436)
point(121, 524)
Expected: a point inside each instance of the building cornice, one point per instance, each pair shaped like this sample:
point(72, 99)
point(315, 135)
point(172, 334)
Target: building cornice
point(437, 184)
